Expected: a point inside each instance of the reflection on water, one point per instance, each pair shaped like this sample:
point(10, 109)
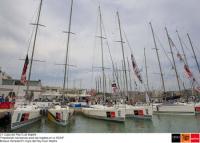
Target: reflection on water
point(82, 124)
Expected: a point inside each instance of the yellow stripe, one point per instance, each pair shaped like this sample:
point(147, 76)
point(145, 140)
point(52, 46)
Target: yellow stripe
point(50, 117)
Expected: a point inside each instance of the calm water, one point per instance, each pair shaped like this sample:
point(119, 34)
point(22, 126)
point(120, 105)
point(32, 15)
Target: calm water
point(82, 124)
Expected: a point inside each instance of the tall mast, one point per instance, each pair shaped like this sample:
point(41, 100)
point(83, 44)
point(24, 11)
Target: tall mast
point(67, 51)
point(193, 52)
point(123, 78)
point(102, 56)
point(100, 85)
point(146, 69)
point(174, 63)
point(96, 84)
point(122, 45)
point(35, 39)
point(161, 73)
point(185, 58)
point(129, 71)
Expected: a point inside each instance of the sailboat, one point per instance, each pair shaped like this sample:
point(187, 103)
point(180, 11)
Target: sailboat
point(102, 111)
point(142, 111)
point(61, 114)
point(27, 113)
point(166, 107)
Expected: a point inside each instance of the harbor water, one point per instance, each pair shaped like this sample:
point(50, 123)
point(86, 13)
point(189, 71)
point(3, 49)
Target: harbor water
point(82, 124)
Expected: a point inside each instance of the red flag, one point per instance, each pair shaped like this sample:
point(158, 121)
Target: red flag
point(23, 76)
point(136, 69)
point(179, 56)
point(188, 72)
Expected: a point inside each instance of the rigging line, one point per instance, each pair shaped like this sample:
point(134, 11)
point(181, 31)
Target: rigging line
point(174, 44)
point(197, 49)
point(187, 47)
point(129, 46)
point(114, 70)
point(164, 50)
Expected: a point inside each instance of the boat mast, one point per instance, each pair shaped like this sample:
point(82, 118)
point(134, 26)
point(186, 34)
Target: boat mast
point(174, 63)
point(100, 85)
point(122, 45)
point(129, 71)
point(102, 56)
point(123, 78)
point(145, 60)
point(161, 73)
point(195, 57)
point(34, 42)
point(67, 50)
point(182, 47)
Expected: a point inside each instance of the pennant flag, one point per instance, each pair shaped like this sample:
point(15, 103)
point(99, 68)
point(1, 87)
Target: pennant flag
point(136, 69)
point(23, 76)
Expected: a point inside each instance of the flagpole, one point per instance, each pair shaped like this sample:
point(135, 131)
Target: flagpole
point(161, 73)
point(34, 43)
point(129, 71)
point(174, 63)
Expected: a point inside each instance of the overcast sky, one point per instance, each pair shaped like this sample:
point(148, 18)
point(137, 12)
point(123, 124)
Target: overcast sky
point(135, 15)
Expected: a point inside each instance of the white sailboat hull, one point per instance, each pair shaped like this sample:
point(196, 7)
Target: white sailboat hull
point(23, 116)
point(105, 113)
point(142, 111)
point(60, 116)
point(179, 109)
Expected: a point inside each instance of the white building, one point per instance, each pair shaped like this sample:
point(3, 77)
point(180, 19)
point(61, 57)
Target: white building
point(13, 87)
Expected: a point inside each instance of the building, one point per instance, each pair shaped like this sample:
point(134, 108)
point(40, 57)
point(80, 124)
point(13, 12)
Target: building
point(10, 87)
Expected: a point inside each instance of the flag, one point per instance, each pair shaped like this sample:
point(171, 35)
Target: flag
point(188, 73)
point(179, 56)
point(136, 69)
point(23, 76)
